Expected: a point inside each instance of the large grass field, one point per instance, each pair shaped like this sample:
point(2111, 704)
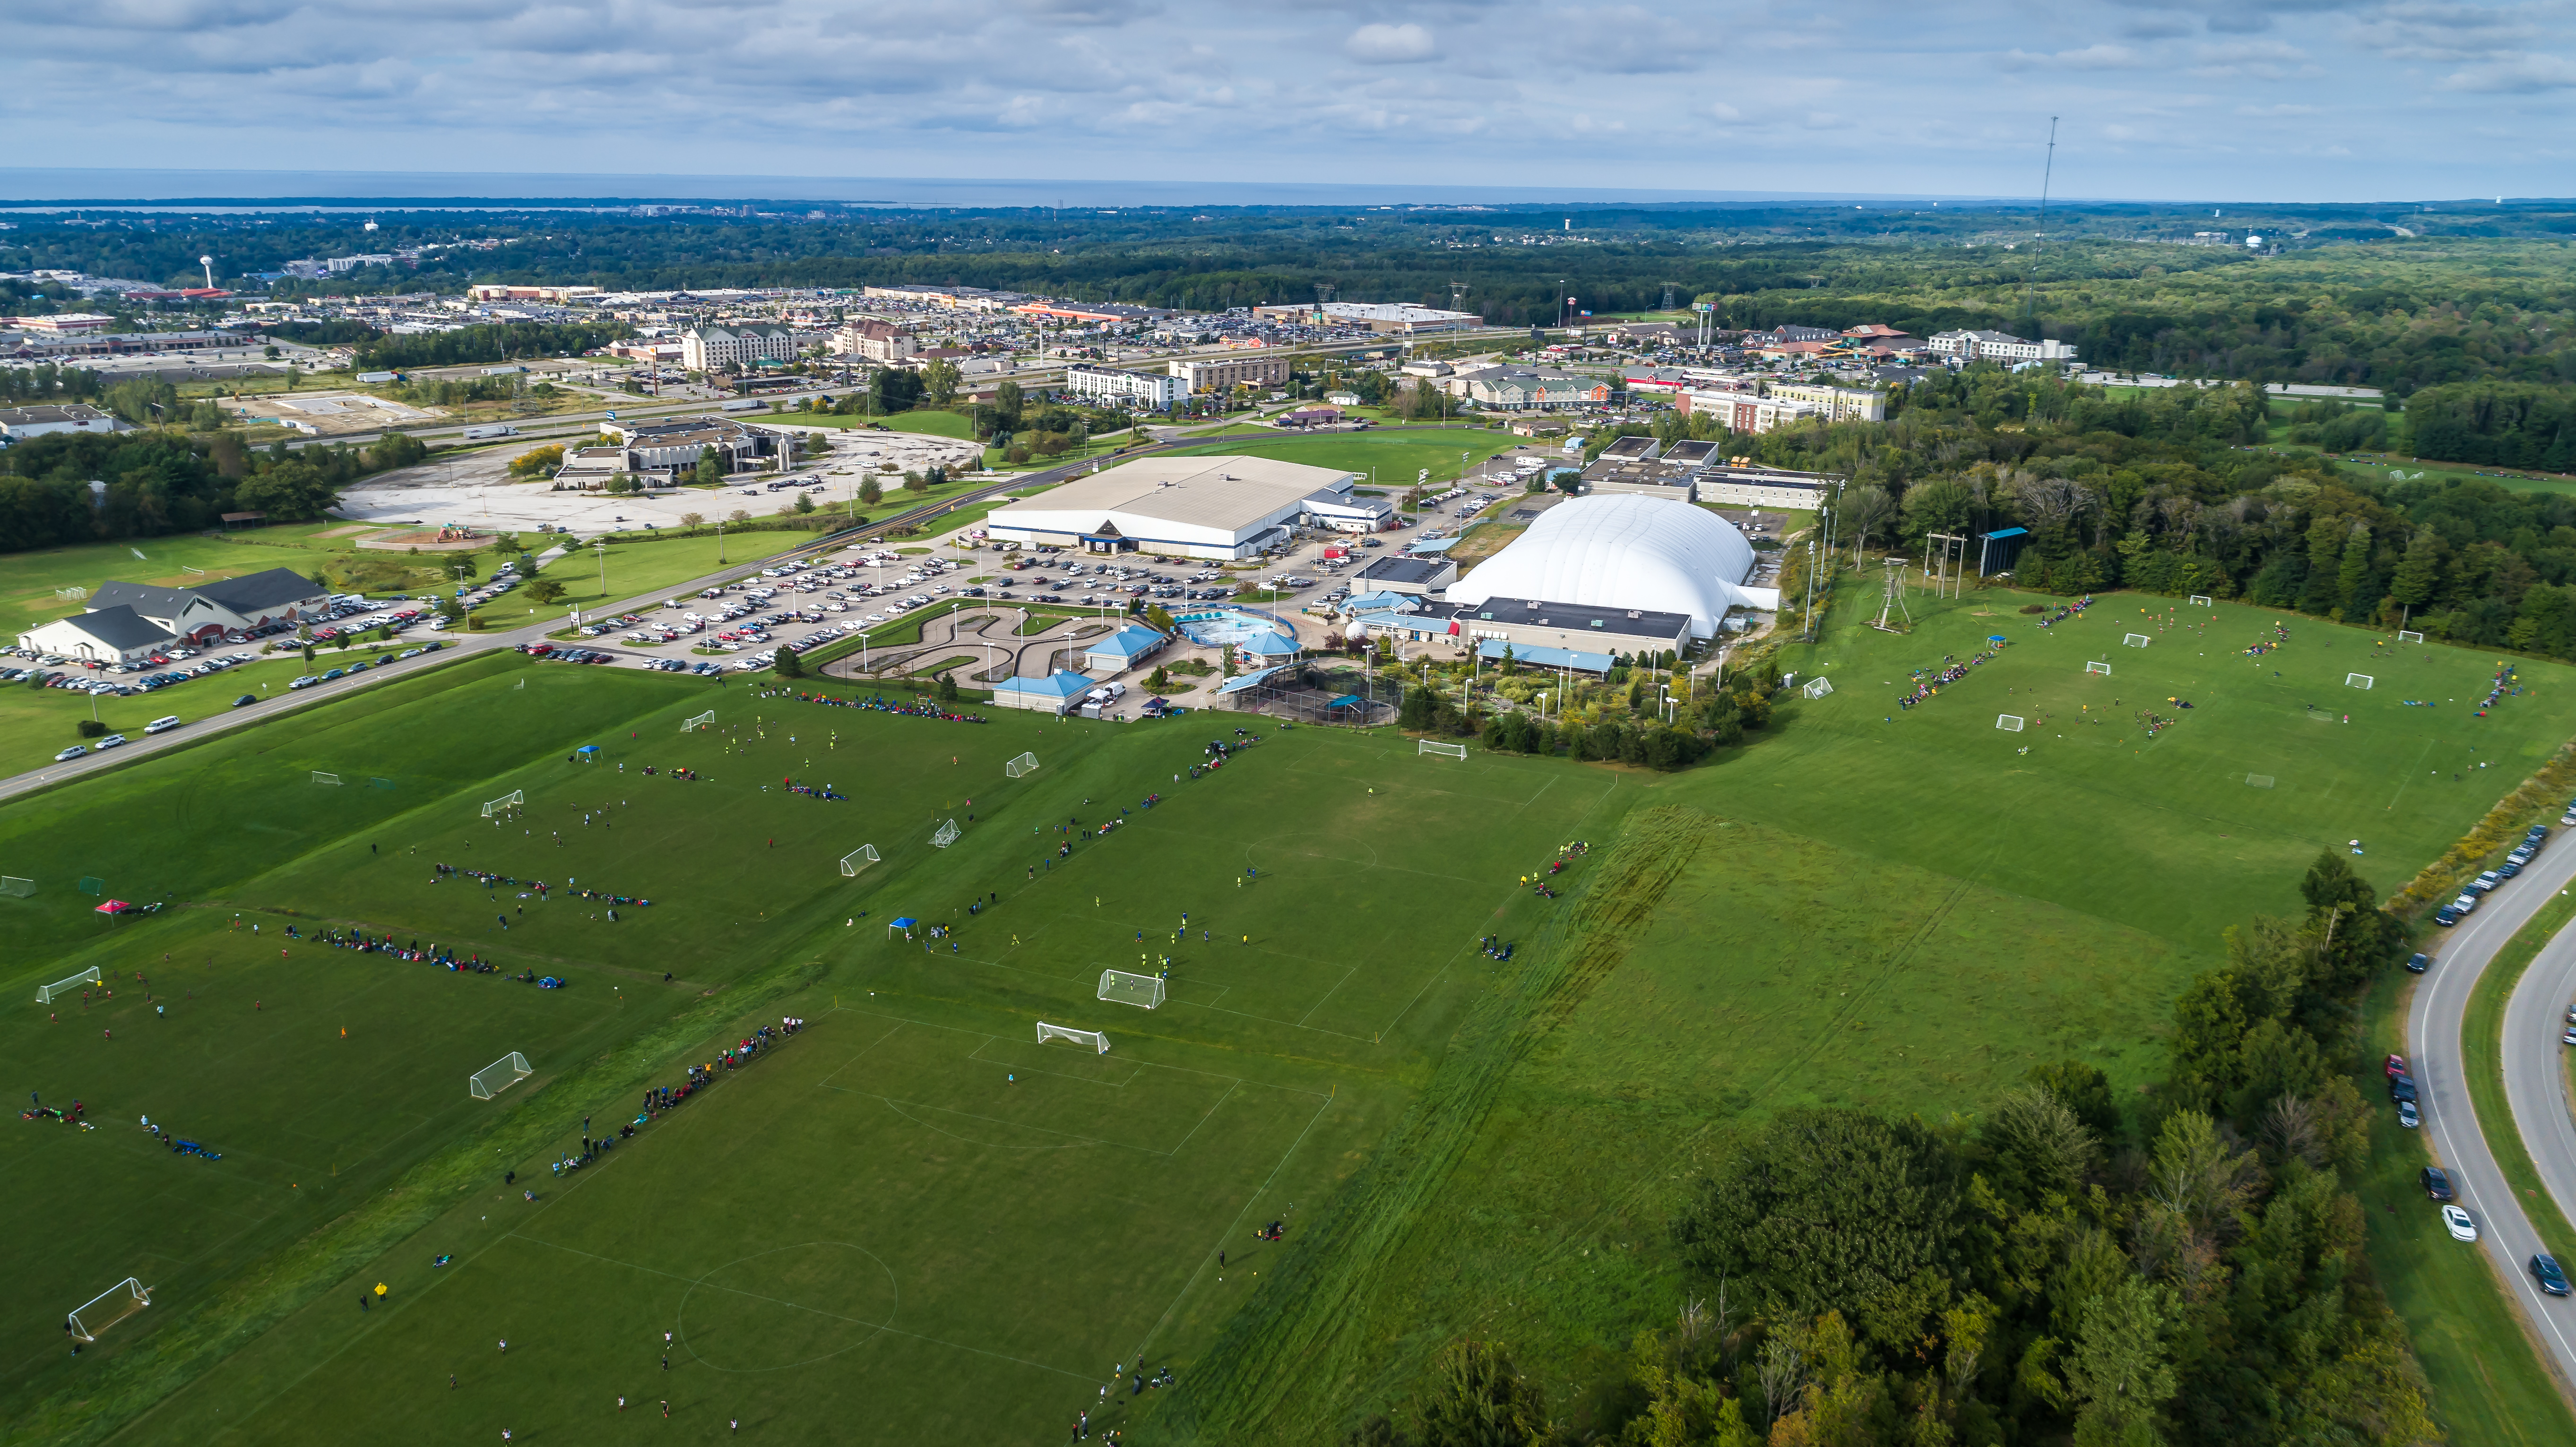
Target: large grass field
point(913, 1222)
point(1393, 458)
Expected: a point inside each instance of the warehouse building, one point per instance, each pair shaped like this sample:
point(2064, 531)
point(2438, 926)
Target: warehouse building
point(1182, 507)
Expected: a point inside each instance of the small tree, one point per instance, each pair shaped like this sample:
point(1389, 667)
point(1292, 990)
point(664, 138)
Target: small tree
point(544, 591)
point(693, 519)
point(738, 515)
point(915, 482)
point(869, 492)
point(804, 502)
point(948, 687)
point(308, 655)
point(1161, 678)
point(343, 641)
point(786, 664)
point(710, 467)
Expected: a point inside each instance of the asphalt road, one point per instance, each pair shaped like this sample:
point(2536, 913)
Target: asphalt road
point(2535, 1066)
point(2451, 1122)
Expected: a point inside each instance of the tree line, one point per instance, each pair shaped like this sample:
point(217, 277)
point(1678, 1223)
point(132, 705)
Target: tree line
point(2186, 1269)
point(495, 342)
point(168, 480)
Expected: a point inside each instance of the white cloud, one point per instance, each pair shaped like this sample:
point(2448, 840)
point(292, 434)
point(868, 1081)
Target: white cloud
point(1389, 44)
point(2528, 75)
point(2091, 57)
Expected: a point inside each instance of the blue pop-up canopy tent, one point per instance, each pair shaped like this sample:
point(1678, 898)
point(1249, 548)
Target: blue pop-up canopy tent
point(902, 922)
point(585, 751)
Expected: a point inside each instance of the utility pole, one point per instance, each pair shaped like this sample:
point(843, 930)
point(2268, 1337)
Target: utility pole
point(2030, 274)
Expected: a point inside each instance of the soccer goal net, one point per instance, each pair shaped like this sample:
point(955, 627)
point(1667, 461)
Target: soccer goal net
point(2356, 680)
point(1022, 766)
point(320, 777)
point(1098, 1042)
point(2201, 600)
point(499, 1076)
point(2096, 666)
point(92, 884)
point(946, 836)
point(1817, 687)
point(2405, 635)
point(380, 782)
point(2009, 722)
point(2137, 640)
point(15, 888)
point(1447, 751)
point(45, 994)
point(109, 1307)
point(701, 721)
point(1119, 987)
point(505, 803)
point(858, 859)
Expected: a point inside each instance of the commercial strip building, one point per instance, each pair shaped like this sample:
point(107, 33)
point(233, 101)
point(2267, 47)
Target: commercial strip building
point(1185, 507)
point(1117, 387)
point(556, 295)
point(20, 423)
point(1742, 485)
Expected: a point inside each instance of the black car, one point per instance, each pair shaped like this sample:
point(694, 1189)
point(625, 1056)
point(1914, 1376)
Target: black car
point(2544, 1269)
point(2419, 963)
point(2437, 1184)
point(2401, 1087)
point(245, 699)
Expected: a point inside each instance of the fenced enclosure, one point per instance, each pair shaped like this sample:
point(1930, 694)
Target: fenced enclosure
point(1321, 692)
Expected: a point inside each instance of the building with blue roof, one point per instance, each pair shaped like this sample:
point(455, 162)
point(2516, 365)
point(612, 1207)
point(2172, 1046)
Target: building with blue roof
point(1055, 693)
point(1540, 656)
point(1123, 649)
point(1275, 648)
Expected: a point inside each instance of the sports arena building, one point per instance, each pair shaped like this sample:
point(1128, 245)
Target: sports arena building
point(1182, 507)
point(1605, 562)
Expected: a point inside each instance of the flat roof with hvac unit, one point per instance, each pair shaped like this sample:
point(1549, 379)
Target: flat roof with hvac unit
point(1200, 507)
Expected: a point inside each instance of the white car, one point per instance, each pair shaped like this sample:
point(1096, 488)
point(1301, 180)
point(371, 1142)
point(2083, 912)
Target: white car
point(111, 741)
point(2458, 1222)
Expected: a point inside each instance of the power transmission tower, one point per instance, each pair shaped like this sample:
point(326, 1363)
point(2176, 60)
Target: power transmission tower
point(2030, 275)
point(1668, 297)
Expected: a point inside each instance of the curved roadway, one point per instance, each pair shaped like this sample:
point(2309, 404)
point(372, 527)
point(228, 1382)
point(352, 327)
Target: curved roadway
point(2535, 1069)
point(2451, 1122)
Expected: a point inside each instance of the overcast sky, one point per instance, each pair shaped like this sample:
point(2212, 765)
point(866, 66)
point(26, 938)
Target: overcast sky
point(2252, 99)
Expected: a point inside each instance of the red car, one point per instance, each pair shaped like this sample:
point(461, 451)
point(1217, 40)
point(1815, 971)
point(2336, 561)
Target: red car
point(2396, 1065)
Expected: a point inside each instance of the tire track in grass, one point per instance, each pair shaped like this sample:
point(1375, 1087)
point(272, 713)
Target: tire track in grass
point(1312, 1310)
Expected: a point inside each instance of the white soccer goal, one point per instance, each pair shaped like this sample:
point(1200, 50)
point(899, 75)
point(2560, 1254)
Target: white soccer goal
point(320, 777)
point(499, 1076)
point(858, 859)
point(15, 888)
point(693, 725)
point(946, 836)
point(2137, 640)
point(2096, 666)
point(2258, 781)
point(504, 804)
point(108, 1308)
point(2009, 722)
point(2356, 680)
point(71, 595)
point(45, 993)
point(1022, 766)
point(1432, 746)
point(2406, 635)
point(1817, 687)
point(2201, 600)
point(1098, 1042)
point(1143, 991)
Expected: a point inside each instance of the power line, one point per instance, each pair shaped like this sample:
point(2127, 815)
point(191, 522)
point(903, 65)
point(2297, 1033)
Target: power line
point(2030, 274)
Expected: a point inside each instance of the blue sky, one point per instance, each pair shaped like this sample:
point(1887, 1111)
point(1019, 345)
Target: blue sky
point(2226, 99)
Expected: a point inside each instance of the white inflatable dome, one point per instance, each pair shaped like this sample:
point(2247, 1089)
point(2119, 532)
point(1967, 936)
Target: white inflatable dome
point(1624, 551)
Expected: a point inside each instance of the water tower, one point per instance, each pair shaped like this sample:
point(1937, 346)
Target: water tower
point(208, 263)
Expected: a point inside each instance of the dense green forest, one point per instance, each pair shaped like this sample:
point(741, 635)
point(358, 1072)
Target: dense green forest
point(2186, 1272)
point(499, 343)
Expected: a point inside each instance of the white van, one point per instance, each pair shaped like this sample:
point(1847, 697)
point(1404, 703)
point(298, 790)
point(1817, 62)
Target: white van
point(162, 725)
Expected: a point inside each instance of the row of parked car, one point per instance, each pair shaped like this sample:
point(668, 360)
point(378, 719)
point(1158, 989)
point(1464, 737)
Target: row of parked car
point(2460, 908)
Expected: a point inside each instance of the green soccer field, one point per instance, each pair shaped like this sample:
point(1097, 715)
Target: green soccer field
point(1395, 458)
point(971, 1227)
point(917, 1216)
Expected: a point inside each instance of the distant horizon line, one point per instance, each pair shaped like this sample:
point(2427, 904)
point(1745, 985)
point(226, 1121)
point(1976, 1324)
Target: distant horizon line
point(149, 188)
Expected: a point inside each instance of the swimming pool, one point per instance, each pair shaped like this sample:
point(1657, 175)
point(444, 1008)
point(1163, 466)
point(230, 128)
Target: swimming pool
point(1219, 628)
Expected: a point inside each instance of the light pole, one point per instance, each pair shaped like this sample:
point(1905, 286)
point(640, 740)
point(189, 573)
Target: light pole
point(600, 546)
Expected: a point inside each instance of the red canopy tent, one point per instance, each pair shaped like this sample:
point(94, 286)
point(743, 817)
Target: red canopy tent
point(114, 906)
